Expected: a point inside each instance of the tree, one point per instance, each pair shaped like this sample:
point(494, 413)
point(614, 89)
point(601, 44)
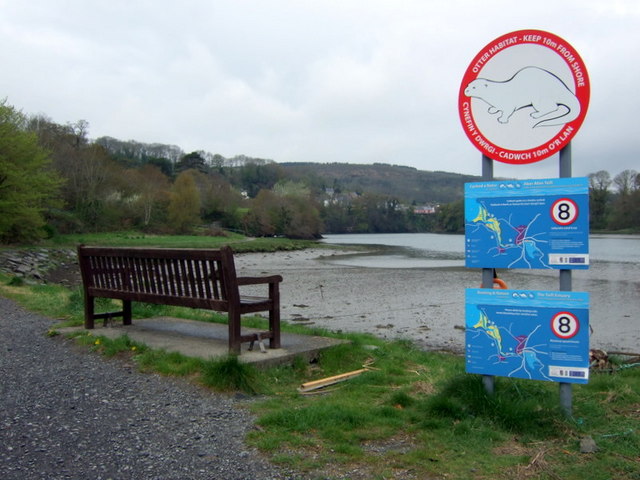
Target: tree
point(625, 209)
point(256, 176)
point(288, 211)
point(335, 217)
point(450, 217)
point(299, 216)
point(149, 186)
point(164, 164)
point(192, 161)
point(220, 202)
point(92, 180)
point(599, 197)
point(136, 154)
point(28, 187)
point(626, 181)
point(259, 220)
point(184, 206)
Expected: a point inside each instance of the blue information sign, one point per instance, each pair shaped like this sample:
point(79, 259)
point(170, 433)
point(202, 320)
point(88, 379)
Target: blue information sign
point(527, 224)
point(539, 335)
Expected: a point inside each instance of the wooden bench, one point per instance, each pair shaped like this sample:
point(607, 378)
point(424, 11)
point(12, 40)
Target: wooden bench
point(196, 278)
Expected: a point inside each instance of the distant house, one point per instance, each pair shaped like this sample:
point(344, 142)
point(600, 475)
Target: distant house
point(339, 198)
point(425, 209)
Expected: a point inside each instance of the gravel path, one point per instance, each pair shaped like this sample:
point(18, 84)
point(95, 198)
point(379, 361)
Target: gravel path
point(67, 413)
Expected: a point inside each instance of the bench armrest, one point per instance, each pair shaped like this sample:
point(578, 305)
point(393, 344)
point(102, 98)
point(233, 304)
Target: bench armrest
point(259, 280)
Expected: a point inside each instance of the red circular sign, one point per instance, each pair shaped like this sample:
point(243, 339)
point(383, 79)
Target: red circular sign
point(565, 325)
point(524, 97)
point(564, 211)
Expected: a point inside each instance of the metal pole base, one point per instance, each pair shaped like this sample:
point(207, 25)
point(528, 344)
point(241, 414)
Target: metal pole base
point(489, 383)
point(566, 395)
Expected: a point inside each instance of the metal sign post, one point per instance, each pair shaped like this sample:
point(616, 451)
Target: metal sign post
point(566, 392)
point(487, 273)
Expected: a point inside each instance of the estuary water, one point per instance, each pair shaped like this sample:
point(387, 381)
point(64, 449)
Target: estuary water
point(424, 250)
point(612, 280)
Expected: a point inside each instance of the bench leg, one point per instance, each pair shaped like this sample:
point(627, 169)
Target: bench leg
point(126, 312)
point(234, 332)
point(274, 326)
point(88, 312)
point(274, 316)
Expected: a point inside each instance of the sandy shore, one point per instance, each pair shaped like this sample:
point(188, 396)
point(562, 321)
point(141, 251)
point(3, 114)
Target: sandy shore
point(425, 305)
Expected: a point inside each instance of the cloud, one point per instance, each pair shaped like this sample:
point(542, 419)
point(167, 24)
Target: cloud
point(336, 81)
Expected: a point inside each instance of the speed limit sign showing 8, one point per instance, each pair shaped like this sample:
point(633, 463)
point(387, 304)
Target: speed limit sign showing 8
point(565, 325)
point(564, 211)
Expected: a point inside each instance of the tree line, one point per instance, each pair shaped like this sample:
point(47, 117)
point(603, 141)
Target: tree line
point(54, 179)
point(617, 208)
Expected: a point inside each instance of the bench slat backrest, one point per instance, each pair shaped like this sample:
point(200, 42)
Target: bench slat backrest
point(197, 277)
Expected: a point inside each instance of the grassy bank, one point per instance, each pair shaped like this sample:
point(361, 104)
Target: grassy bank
point(239, 242)
point(410, 415)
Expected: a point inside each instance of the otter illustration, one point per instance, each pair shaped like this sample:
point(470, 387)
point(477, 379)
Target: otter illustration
point(552, 101)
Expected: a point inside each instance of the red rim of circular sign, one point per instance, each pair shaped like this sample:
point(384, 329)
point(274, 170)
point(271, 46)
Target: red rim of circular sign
point(560, 334)
point(556, 143)
point(569, 221)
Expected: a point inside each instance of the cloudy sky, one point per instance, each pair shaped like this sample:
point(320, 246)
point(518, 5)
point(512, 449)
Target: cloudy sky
point(357, 81)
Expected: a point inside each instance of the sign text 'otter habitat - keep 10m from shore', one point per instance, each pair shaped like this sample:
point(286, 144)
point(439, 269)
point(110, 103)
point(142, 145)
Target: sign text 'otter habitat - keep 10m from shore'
point(524, 97)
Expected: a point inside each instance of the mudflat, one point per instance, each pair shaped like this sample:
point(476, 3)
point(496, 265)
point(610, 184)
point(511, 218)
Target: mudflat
point(425, 305)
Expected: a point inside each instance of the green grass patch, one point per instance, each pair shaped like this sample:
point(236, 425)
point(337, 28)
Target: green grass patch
point(238, 242)
point(50, 300)
point(229, 374)
point(413, 414)
point(109, 347)
point(168, 363)
point(446, 423)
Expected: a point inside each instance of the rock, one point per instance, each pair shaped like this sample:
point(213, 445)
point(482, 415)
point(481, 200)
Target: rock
point(42, 266)
point(588, 445)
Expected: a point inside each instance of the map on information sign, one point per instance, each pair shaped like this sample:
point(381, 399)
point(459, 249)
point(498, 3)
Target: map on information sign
point(538, 335)
point(540, 224)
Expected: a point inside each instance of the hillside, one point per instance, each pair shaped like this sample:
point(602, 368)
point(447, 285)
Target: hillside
point(407, 184)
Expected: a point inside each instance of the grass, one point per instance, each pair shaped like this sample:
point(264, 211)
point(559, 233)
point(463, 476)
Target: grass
point(239, 242)
point(418, 415)
point(412, 415)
